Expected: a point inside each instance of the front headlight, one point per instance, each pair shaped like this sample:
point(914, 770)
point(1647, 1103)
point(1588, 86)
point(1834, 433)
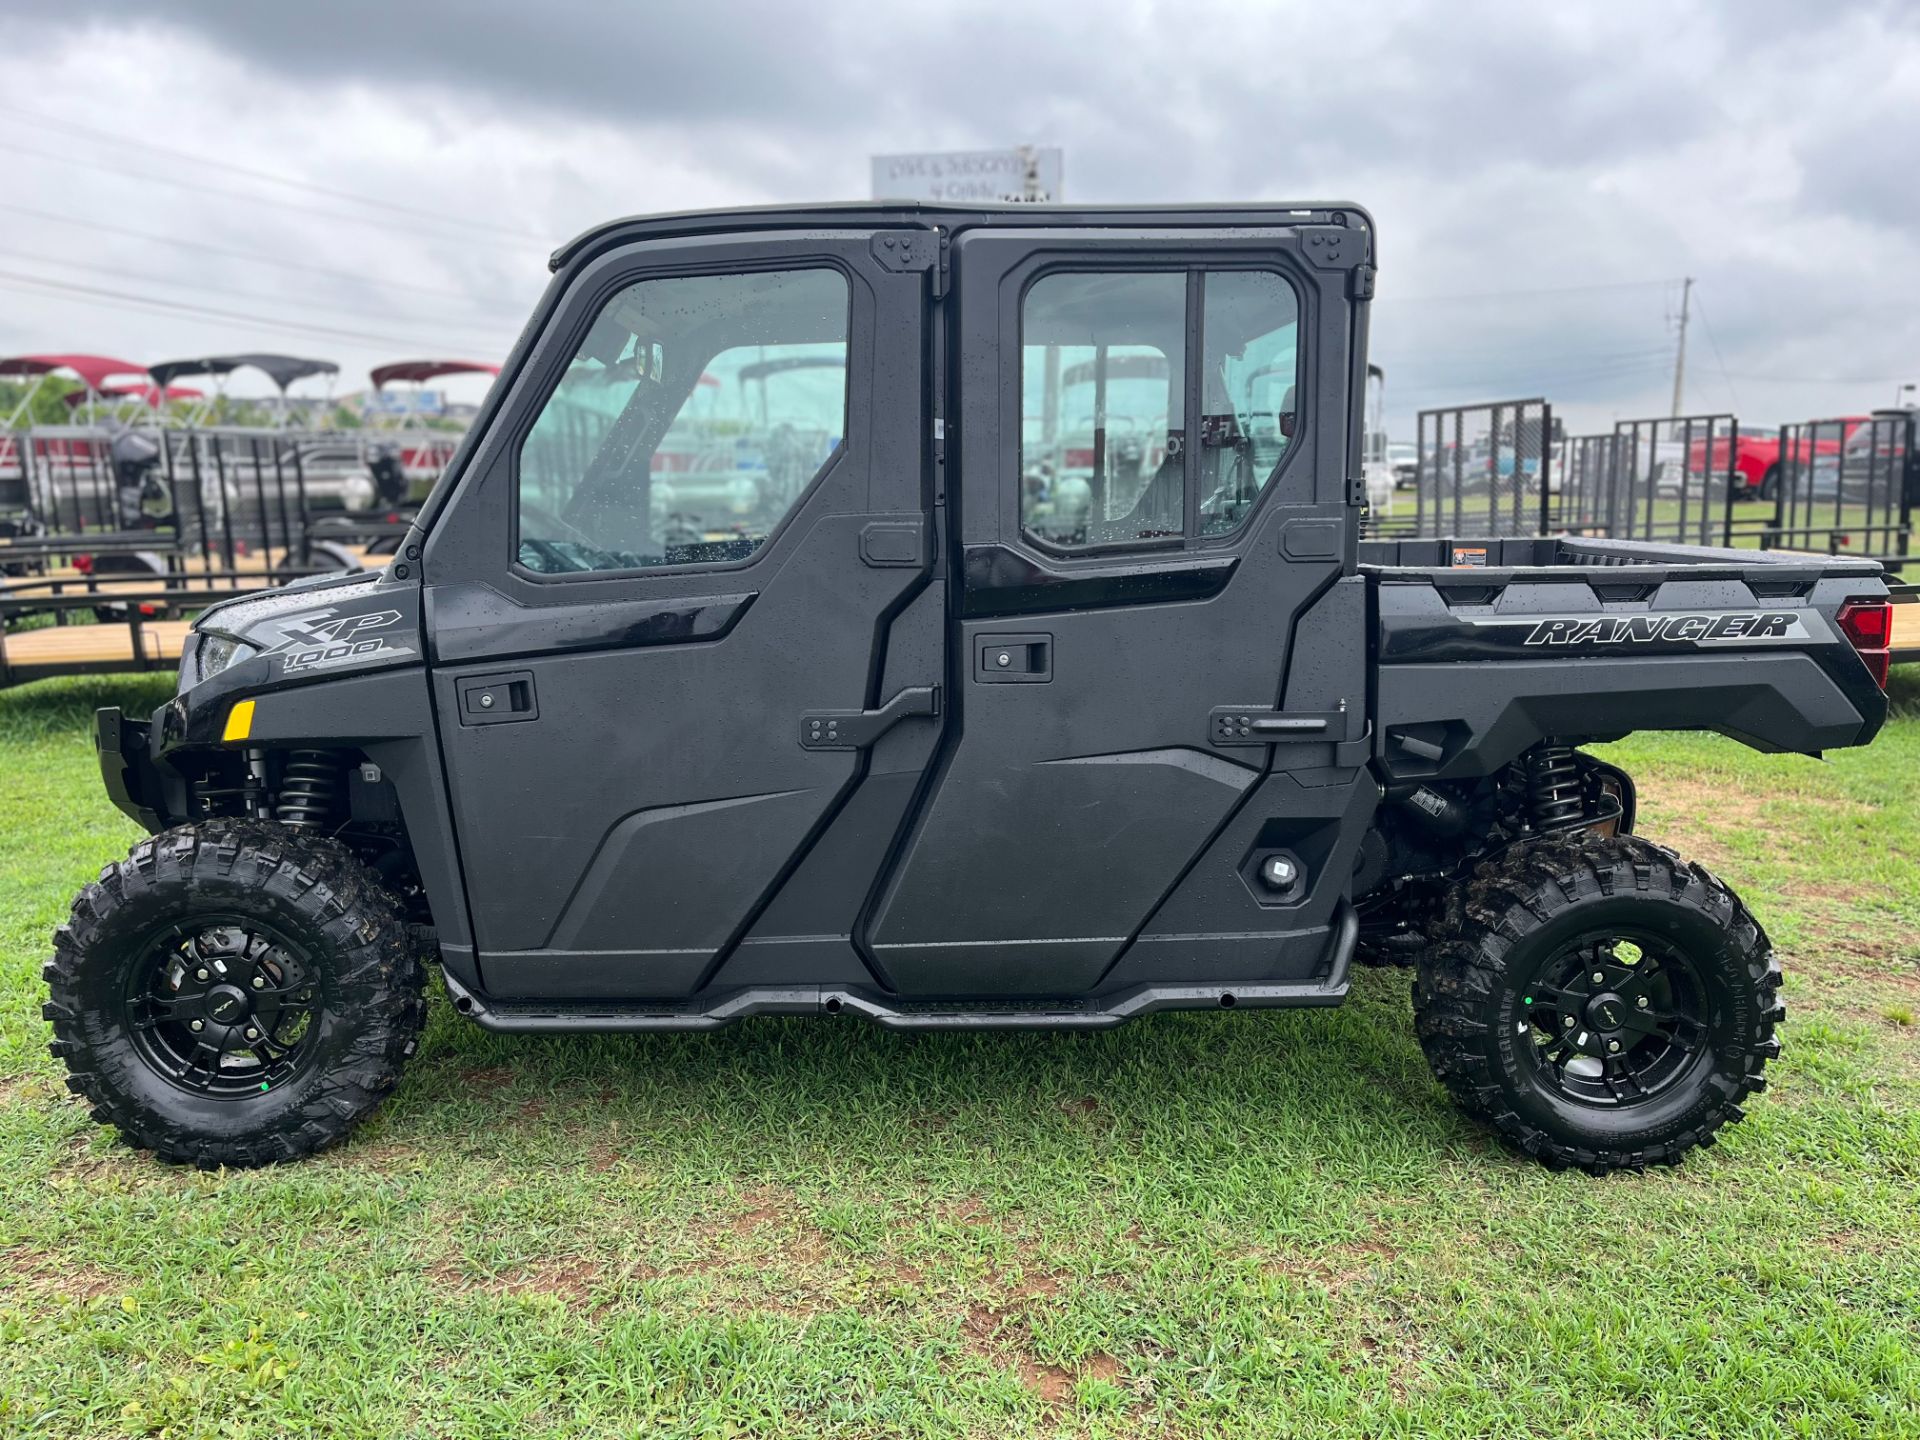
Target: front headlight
point(215, 653)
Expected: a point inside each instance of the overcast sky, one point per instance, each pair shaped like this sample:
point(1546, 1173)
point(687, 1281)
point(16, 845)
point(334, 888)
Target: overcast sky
point(1542, 174)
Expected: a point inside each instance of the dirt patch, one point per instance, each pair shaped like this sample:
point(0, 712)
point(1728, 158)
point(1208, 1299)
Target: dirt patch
point(1053, 1385)
point(1336, 1267)
point(1832, 894)
point(1080, 1105)
point(23, 1089)
point(1039, 1286)
point(1101, 1367)
point(1691, 816)
point(381, 1156)
point(36, 1272)
point(569, 1278)
point(763, 1208)
point(969, 1211)
point(487, 1079)
point(1401, 1355)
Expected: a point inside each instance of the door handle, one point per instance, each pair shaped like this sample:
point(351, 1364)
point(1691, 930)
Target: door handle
point(496, 699)
point(857, 729)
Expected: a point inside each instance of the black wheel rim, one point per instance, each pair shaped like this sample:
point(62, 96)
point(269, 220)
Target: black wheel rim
point(223, 1006)
point(1613, 1018)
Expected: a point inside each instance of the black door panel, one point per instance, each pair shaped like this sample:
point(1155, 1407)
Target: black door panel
point(626, 838)
point(1080, 810)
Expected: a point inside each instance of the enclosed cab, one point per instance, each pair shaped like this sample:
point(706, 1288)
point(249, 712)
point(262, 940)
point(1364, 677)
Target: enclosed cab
point(953, 618)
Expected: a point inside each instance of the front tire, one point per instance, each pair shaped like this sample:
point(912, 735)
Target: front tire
point(234, 993)
point(1599, 1002)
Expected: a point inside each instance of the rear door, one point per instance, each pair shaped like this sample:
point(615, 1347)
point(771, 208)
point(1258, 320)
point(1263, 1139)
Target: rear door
point(1154, 447)
point(665, 594)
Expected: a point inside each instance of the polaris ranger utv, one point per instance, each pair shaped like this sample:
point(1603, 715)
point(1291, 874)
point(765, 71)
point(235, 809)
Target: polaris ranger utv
point(928, 687)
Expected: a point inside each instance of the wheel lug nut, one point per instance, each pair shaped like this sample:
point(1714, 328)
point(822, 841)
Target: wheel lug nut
point(1599, 977)
point(1613, 1046)
point(1641, 1003)
point(197, 1025)
point(253, 1034)
point(1567, 1024)
point(259, 982)
point(201, 973)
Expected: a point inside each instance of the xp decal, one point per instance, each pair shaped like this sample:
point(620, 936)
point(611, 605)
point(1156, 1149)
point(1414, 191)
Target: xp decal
point(320, 639)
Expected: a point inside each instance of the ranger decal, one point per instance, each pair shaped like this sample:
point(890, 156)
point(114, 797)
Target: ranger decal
point(1741, 627)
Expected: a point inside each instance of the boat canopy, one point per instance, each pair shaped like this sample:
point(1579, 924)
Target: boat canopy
point(152, 396)
point(282, 370)
point(421, 371)
point(92, 370)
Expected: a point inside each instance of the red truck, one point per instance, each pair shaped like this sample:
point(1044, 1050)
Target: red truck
point(1756, 454)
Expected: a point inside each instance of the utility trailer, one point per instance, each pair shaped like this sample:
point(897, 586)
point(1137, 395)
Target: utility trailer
point(924, 744)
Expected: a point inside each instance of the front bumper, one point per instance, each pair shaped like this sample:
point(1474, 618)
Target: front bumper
point(133, 779)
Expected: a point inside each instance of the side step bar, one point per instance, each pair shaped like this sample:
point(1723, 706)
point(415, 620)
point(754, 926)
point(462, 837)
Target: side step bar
point(1099, 1013)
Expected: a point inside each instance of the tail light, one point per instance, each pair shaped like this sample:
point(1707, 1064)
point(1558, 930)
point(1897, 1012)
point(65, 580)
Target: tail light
point(1868, 626)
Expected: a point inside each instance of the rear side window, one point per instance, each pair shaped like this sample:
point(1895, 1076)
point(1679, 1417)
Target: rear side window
point(688, 425)
point(1108, 381)
point(1103, 377)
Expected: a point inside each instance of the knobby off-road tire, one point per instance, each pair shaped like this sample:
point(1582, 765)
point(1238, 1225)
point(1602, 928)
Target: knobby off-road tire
point(234, 992)
point(1598, 1002)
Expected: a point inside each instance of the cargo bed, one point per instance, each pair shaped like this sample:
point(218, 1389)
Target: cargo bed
point(1485, 647)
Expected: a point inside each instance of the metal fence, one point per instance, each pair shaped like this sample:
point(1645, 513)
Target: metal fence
point(214, 492)
point(1674, 480)
point(1846, 486)
point(1482, 470)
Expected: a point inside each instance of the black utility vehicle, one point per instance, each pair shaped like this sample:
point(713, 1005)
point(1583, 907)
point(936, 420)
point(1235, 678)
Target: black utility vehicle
point(953, 618)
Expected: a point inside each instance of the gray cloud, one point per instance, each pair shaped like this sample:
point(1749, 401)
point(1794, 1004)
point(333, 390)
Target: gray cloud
point(1759, 145)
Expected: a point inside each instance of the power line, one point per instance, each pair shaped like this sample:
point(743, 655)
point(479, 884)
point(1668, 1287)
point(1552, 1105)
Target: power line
point(1817, 379)
point(1508, 354)
point(256, 256)
point(338, 215)
point(124, 274)
point(1719, 359)
point(1528, 294)
point(98, 295)
point(119, 141)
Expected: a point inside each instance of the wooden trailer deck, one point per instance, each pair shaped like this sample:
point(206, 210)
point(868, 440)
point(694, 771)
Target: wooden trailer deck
point(90, 649)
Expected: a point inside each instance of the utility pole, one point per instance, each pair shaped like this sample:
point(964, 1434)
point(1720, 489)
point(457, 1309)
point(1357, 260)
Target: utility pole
point(1680, 357)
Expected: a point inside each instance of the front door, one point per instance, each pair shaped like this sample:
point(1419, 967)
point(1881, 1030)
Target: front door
point(1154, 436)
point(671, 581)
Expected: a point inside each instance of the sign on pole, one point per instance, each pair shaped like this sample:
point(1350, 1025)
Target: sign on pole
point(1023, 173)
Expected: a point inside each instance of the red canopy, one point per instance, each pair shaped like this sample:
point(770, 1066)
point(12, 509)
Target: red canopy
point(152, 396)
point(93, 370)
point(422, 371)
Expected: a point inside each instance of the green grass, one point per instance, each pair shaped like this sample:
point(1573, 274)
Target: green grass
point(1259, 1225)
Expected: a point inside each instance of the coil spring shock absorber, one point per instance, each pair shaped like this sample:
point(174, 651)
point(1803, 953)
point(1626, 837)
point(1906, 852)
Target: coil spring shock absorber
point(308, 788)
point(1556, 799)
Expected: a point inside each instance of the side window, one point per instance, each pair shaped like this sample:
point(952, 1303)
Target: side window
point(1105, 380)
point(694, 416)
point(1103, 399)
point(1250, 322)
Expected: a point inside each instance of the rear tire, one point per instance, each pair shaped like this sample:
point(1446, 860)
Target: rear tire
point(234, 992)
point(1598, 1002)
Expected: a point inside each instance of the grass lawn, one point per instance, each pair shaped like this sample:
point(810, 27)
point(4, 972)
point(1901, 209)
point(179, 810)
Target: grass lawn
point(1220, 1224)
